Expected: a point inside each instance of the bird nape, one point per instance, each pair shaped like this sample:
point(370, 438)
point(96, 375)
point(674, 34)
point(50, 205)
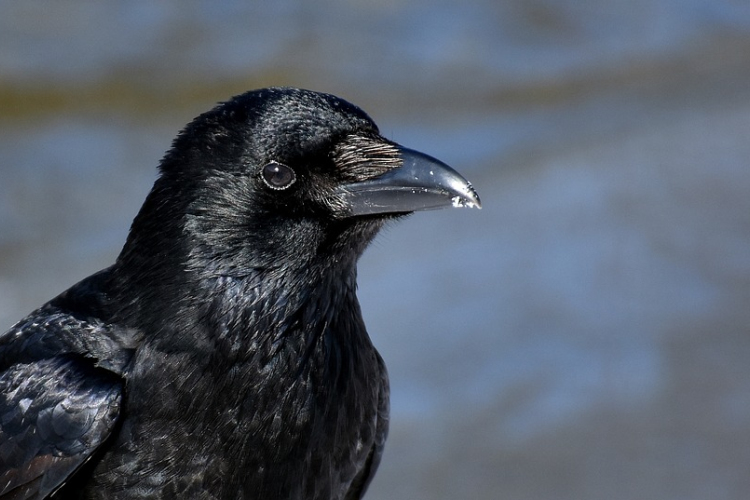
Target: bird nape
point(223, 355)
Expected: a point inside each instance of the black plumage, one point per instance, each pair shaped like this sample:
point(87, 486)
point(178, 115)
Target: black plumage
point(223, 355)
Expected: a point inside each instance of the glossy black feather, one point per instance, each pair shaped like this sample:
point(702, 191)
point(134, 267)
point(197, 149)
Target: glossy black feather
point(54, 413)
point(224, 354)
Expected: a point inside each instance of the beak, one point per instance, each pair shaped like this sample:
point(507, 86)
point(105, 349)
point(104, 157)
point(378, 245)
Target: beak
point(420, 183)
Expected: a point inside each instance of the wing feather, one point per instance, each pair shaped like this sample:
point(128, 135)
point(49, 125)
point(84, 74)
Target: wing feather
point(54, 414)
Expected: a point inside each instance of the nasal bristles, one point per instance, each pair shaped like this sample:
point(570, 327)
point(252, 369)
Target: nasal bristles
point(361, 158)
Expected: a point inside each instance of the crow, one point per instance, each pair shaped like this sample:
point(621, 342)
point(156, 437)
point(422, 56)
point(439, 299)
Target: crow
point(223, 355)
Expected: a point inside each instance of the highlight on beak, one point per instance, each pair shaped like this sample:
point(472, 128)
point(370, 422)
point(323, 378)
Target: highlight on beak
point(420, 183)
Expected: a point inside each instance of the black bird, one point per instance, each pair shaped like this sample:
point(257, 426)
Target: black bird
point(223, 355)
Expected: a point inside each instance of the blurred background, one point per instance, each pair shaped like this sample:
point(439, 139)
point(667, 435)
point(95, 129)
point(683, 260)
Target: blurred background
point(586, 335)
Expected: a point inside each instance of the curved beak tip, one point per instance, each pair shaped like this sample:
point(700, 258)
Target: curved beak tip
point(467, 202)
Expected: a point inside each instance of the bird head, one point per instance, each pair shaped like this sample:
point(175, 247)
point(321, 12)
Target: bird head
point(279, 175)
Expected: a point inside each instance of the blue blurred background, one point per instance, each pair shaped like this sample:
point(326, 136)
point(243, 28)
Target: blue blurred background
point(584, 336)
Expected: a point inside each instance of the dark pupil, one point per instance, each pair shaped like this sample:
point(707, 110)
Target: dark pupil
point(278, 176)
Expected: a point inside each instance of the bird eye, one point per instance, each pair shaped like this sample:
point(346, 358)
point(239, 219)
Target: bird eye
point(278, 176)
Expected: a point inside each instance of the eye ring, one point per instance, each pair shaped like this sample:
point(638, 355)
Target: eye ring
point(278, 176)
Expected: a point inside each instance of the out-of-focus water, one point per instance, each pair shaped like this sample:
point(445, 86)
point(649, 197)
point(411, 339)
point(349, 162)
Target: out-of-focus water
point(584, 336)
